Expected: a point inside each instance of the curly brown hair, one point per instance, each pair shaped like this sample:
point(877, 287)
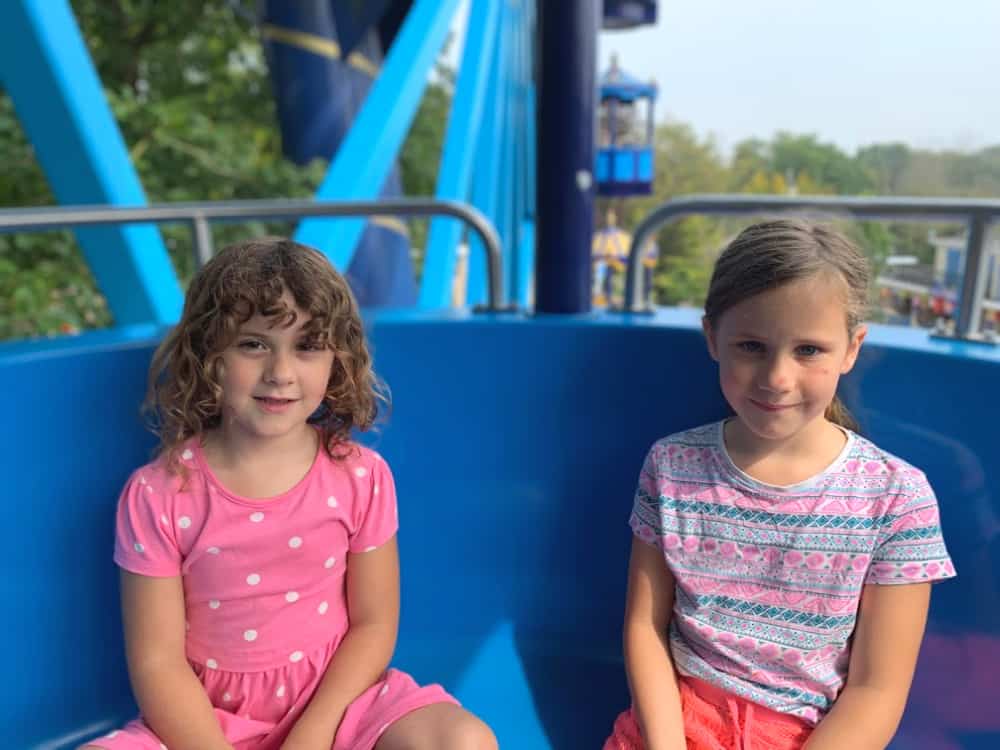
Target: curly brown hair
point(242, 280)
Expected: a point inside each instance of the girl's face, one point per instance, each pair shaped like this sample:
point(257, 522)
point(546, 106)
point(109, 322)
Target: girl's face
point(273, 378)
point(781, 354)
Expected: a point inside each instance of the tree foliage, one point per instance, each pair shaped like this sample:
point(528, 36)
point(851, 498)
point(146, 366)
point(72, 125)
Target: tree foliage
point(189, 87)
point(188, 84)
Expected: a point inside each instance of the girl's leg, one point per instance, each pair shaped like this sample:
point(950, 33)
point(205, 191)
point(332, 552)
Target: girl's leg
point(440, 726)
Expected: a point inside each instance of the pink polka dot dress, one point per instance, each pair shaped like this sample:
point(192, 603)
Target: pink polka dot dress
point(264, 591)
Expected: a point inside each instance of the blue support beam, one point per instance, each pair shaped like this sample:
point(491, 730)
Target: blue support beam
point(526, 158)
point(486, 180)
point(47, 71)
point(367, 153)
point(508, 135)
point(455, 174)
point(567, 93)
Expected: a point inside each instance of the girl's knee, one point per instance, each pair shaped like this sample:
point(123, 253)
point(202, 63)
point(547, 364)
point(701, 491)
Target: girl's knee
point(438, 727)
point(469, 733)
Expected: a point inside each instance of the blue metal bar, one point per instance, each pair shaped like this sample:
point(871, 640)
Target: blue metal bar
point(367, 153)
point(455, 174)
point(486, 179)
point(567, 92)
point(508, 134)
point(200, 214)
point(524, 161)
point(979, 212)
point(46, 69)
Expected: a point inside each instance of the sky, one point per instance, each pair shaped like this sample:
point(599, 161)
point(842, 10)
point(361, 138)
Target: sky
point(853, 72)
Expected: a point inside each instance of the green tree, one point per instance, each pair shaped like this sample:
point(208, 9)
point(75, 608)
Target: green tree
point(685, 164)
point(886, 163)
point(188, 84)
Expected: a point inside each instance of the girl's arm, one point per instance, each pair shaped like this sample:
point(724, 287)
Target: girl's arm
point(648, 608)
point(172, 700)
point(887, 639)
point(363, 655)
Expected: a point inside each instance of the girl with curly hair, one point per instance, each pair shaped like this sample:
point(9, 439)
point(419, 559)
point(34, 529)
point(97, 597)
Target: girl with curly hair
point(259, 570)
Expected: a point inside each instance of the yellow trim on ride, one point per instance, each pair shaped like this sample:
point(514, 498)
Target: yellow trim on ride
point(318, 45)
point(393, 224)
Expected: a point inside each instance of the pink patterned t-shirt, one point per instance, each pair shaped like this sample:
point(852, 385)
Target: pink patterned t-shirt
point(768, 578)
point(263, 579)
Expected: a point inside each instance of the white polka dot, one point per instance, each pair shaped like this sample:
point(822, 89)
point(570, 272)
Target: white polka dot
point(142, 480)
point(214, 604)
point(250, 635)
point(330, 562)
point(162, 746)
point(295, 656)
point(381, 729)
point(139, 548)
point(369, 549)
point(227, 697)
point(112, 735)
point(295, 542)
point(257, 517)
point(164, 520)
point(213, 550)
point(360, 471)
point(292, 596)
point(323, 607)
point(187, 455)
point(149, 488)
point(384, 690)
point(211, 663)
point(376, 489)
point(331, 501)
point(253, 579)
point(184, 522)
point(280, 691)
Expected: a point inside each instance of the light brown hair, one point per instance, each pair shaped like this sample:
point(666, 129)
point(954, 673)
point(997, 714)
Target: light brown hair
point(770, 254)
point(243, 280)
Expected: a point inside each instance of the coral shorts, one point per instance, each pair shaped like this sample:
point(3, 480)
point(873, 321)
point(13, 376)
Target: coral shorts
point(717, 720)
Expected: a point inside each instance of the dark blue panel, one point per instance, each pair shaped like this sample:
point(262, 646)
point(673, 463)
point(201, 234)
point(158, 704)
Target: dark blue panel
point(628, 14)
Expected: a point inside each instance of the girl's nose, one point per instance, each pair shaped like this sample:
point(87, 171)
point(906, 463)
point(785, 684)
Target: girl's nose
point(279, 370)
point(777, 375)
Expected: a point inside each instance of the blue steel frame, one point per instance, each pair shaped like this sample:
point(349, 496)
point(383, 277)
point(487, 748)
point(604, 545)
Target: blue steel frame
point(486, 181)
point(464, 125)
point(368, 151)
point(496, 139)
point(47, 70)
point(495, 78)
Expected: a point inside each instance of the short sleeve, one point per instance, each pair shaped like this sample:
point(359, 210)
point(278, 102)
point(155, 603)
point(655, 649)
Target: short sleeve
point(144, 541)
point(911, 548)
point(378, 517)
point(646, 520)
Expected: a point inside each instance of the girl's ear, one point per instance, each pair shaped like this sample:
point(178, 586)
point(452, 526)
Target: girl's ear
point(709, 338)
point(853, 348)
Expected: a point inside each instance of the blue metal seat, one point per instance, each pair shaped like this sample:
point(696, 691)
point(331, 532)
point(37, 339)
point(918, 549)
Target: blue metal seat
point(515, 444)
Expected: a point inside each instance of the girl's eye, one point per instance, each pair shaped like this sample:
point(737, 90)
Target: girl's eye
point(751, 347)
point(808, 350)
point(311, 345)
point(251, 345)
